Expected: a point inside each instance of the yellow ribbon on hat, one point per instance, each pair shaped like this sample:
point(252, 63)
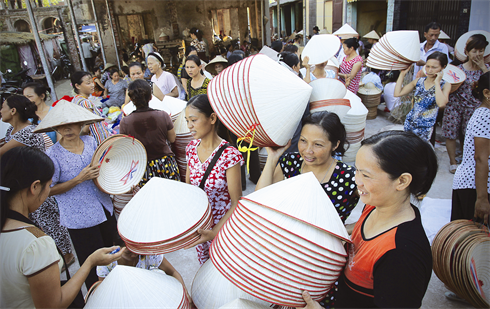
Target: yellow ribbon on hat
point(250, 135)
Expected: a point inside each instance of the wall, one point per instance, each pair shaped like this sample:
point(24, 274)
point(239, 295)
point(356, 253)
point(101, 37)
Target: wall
point(179, 15)
point(479, 15)
point(371, 15)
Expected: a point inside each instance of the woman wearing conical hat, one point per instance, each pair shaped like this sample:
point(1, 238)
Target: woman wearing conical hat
point(86, 211)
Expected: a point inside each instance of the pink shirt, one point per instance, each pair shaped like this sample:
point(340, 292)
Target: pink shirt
point(346, 68)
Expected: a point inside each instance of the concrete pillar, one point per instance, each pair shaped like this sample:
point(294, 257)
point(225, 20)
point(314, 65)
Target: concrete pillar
point(267, 25)
point(105, 31)
point(242, 23)
point(70, 41)
point(389, 15)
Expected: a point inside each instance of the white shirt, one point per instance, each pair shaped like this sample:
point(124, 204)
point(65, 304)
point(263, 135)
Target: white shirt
point(389, 96)
point(438, 46)
point(166, 82)
point(86, 48)
point(478, 126)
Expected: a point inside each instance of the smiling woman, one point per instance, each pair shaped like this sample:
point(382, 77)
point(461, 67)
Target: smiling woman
point(390, 260)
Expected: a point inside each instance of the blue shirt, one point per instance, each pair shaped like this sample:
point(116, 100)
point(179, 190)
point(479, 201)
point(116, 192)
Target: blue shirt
point(83, 205)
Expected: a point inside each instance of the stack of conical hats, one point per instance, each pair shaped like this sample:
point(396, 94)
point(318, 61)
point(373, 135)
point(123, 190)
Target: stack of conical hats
point(182, 138)
point(460, 259)
point(243, 303)
point(459, 48)
point(282, 240)
point(355, 123)
point(211, 290)
point(396, 50)
point(172, 106)
point(371, 97)
point(246, 107)
point(328, 95)
point(131, 287)
point(150, 224)
point(122, 160)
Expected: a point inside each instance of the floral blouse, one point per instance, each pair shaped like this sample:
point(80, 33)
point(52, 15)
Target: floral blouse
point(340, 188)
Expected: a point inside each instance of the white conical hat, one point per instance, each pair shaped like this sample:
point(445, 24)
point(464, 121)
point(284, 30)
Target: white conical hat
point(333, 62)
point(149, 218)
point(66, 113)
point(372, 35)
point(241, 102)
point(169, 104)
point(328, 95)
point(302, 198)
point(269, 52)
point(122, 160)
point(463, 40)
point(131, 287)
point(180, 125)
point(243, 303)
point(369, 89)
point(346, 31)
point(406, 43)
point(443, 36)
point(321, 48)
point(210, 289)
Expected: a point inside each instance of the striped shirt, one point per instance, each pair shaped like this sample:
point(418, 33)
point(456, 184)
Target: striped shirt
point(98, 130)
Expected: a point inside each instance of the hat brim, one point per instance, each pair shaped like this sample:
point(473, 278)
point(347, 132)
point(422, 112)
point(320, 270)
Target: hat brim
point(53, 128)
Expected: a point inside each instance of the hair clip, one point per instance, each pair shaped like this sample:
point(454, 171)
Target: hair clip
point(4, 188)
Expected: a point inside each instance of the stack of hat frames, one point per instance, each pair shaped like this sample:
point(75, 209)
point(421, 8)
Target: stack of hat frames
point(164, 216)
point(282, 240)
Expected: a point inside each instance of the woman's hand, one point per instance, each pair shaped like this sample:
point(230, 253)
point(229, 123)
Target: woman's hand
point(276, 153)
point(482, 209)
point(439, 77)
point(88, 173)
point(306, 59)
point(310, 303)
point(205, 236)
point(404, 72)
point(104, 257)
point(479, 62)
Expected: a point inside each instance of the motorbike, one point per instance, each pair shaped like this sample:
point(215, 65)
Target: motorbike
point(17, 80)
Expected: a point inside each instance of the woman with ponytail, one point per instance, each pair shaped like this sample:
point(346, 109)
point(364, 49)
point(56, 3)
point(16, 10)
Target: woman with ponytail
point(223, 186)
point(16, 110)
point(351, 67)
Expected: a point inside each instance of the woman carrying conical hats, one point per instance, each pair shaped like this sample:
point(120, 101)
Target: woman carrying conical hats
point(84, 209)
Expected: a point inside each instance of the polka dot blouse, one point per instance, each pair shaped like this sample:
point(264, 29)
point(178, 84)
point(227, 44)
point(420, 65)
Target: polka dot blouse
point(340, 188)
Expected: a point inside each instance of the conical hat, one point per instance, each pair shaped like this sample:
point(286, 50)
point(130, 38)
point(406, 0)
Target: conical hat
point(321, 48)
point(328, 95)
point(372, 35)
point(210, 289)
point(180, 125)
point(346, 31)
point(443, 36)
point(463, 40)
point(302, 198)
point(241, 102)
point(369, 89)
point(66, 113)
point(131, 287)
point(453, 74)
point(269, 52)
point(184, 205)
point(406, 43)
point(210, 67)
point(169, 104)
point(334, 62)
point(243, 303)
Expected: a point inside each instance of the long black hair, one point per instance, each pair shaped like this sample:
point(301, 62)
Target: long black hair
point(202, 104)
point(482, 84)
point(401, 152)
point(23, 107)
point(39, 89)
point(77, 79)
point(139, 92)
point(20, 167)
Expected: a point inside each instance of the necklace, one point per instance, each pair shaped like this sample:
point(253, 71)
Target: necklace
point(328, 169)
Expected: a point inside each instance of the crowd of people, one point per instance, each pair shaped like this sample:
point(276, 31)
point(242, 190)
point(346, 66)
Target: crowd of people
point(49, 201)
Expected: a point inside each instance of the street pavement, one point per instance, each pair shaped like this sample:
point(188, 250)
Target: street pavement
point(435, 210)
